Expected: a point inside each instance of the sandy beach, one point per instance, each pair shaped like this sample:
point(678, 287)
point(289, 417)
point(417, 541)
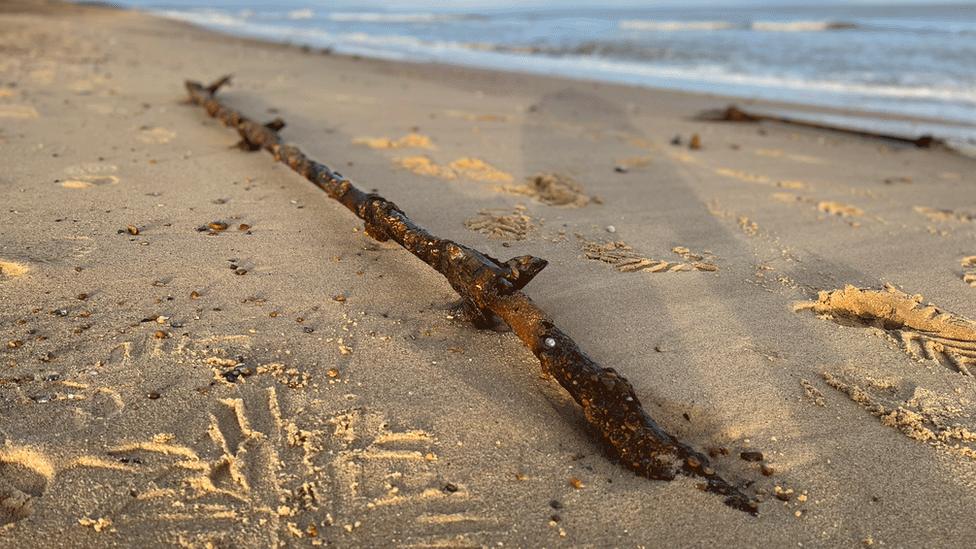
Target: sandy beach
point(198, 348)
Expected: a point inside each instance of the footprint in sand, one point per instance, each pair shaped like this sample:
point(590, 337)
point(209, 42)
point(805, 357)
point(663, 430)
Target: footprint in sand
point(626, 260)
point(553, 189)
point(85, 176)
point(514, 225)
point(12, 269)
point(922, 331)
point(22, 112)
point(747, 225)
point(155, 136)
point(24, 475)
point(937, 418)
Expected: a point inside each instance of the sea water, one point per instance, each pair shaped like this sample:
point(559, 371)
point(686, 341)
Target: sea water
point(894, 59)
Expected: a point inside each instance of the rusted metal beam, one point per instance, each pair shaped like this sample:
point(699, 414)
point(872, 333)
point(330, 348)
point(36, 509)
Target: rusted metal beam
point(491, 290)
point(733, 113)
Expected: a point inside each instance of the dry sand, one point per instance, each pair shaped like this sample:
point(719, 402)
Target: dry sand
point(290, 382)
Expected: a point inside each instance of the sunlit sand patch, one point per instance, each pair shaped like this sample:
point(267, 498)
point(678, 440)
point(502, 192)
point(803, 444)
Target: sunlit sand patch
point(743, 176)
point(683, 157)
point(777, 153)
point(24, 476)
point(700, 261)
point(761, 179)
point(969, 274)
point(5, 92)
point(409, 141)
point(424, 165)
point(86, 85)
point(85, 176)
point(156, 136)
point(475, 117)
point(788, 198)
point(12, 269)
point(938, 215)
point(477, 169)
point(503, 224)
point(554, 189)
point(922, 330)
point(27, 457)
point(159, 444)
point(748, 226)
point(771, 153)
point(837, 208)
point(22, 112)
point(88, 181)
point(43, 76)
point(100, 524)
point(75, 184)
point(806, 159)
point(634, 162)
point(469, 167)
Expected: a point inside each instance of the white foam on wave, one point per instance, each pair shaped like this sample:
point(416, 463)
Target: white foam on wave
point(207, 18)
point(376, 17)
point(799, 26)
point(760, 26)
point(301, 14)
point(655, 25)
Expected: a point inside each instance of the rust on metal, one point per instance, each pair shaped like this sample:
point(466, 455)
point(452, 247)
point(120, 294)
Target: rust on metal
point(490, 291)
point(733, 113)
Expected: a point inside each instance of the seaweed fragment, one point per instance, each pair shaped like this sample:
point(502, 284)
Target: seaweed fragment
point(490, 290)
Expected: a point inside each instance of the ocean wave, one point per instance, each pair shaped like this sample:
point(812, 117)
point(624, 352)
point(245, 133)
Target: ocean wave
point(623, 63)
point(301, 14)
point(376, 17)
point(653, 25)
point(624, 50)
point(205, 17)
point(761, 26)
point(801, 26)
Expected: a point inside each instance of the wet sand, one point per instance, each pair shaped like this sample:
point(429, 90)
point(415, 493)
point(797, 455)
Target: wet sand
point(288, 381)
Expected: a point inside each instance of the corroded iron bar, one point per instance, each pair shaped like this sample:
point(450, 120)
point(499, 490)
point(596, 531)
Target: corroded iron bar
point(733, 113)
point(490, 289)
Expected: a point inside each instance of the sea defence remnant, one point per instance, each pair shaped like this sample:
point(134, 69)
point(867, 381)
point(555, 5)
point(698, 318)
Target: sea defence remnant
point(490, 292)
point(732, 113)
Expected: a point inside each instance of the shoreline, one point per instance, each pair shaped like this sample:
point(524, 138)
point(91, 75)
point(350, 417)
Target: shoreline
point(955, 127)
point(283, 379)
